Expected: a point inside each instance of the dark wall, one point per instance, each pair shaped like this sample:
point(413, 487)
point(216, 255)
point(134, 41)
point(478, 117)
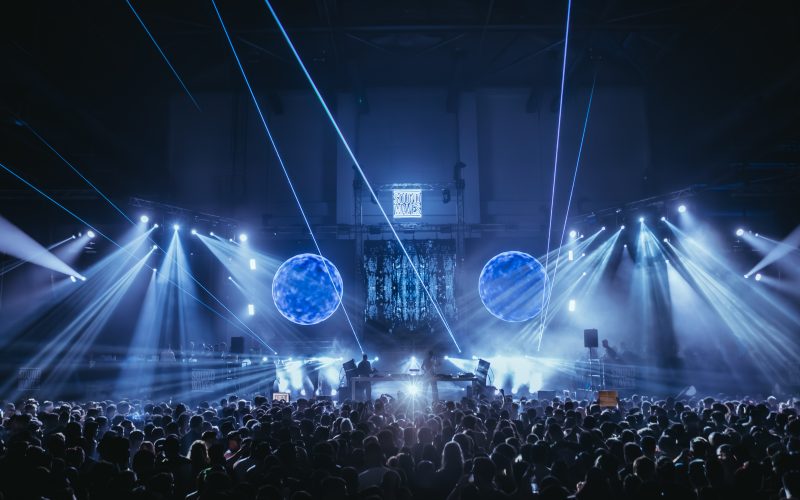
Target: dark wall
point(223, 162)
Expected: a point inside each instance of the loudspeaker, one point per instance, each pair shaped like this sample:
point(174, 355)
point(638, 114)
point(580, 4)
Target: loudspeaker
point(590, 338)
point(545, 395)
point(237, 345)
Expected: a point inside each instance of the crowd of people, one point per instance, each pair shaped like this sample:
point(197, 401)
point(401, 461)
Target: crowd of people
point(642, 448)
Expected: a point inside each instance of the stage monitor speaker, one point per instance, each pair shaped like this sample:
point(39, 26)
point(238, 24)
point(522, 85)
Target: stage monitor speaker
point(545, 395)
point(237, 345)
point(590, 338)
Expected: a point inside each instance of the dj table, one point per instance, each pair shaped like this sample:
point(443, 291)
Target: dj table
point(414, 379)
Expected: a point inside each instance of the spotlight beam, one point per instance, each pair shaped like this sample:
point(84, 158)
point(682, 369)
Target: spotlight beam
point(569, 200)
point(357, 165)
point(782, 248)
point(5, 270)
point(285, 173)
point(163, 55)
point(79, 219)
point(74, 169)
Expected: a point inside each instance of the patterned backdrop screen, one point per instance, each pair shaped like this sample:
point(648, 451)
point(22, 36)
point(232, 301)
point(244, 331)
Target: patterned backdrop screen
point(394, 294)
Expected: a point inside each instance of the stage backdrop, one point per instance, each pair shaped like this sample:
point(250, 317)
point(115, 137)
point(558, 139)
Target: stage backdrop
point(394, 294)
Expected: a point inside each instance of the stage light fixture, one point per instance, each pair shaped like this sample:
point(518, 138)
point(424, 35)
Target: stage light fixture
point(155, 269)
point(211, 233)
point(682, 209)
point(474, 358)
point(413, 359)
point(252, 264)
point(230, 278)
point(155, 247)
point(584, 273)
point(641, 219)
point(90, 234)
point(666, 240)
point(333, 392)
point(739, 232)
point(625, 245)
point(73, 279)
point(194, 232)
point(264, 359)
point(746, 276)
point(603, 228)
point(622, 226)
point(663, 219)
point(155, 226)
point(756, 235)
point(243, 237)
point(758, 276)
point(144, 219)
point(251, 310)
point(446, 358)
point(570, 256)
point(413, 390)
point(571, 305)
point(376, 358)
point(573, 234)
point(176, 227)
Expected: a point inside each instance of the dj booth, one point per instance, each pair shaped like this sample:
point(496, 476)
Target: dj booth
point(416, 380)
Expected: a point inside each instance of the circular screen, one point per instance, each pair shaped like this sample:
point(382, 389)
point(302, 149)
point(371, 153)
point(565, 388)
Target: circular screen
point(512, 286)
point(307, 289)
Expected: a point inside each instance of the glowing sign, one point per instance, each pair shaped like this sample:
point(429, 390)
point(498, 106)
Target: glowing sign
point(407, 203)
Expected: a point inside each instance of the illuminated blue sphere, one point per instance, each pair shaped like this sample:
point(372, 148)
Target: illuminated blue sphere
point(512, 285)
point(307, 289)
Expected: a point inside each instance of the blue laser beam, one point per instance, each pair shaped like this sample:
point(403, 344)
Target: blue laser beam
point(356, 163)
point(85, 179)
point(163, 55)
point(283, 168)
point(555, 161)
point(569, 200)
point(71, 166)
point(78, 218)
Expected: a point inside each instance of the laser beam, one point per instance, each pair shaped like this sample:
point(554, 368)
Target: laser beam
point(569, 200)
point(356, 163)
point(163, 55)
point(285, 171)
point(555, 161)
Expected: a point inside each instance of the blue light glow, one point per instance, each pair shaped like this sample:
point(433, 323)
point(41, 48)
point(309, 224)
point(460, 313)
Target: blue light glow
point(303, 289)
point(512, 286)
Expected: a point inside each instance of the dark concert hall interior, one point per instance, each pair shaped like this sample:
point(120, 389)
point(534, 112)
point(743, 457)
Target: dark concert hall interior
point(354, 249)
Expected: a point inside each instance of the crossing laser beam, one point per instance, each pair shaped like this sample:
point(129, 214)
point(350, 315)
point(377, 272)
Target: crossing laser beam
point(356, 163)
